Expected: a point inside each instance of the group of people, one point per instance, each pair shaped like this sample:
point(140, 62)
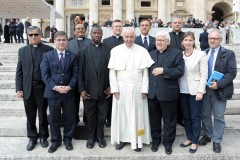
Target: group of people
point(14, 30)
point(128, 82)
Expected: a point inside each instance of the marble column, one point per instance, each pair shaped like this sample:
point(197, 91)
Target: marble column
point(69, 25)
point(93, 11)
point(130, 10)
point(162, 10)
point(60, 9)
point(200, 6)
point(117, 9)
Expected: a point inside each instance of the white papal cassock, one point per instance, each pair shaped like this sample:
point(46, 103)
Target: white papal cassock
point(129, 76)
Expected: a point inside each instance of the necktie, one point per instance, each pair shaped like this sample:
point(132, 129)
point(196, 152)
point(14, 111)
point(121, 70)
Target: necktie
point(210, 63)
point(62, 60)
point(145, 43)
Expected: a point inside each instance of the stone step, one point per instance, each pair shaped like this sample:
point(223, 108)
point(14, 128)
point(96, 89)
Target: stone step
point(8, 68)
point(15, 148)
point(16, 108)
point(16, 126)
point(7, 84)
point(7, 75)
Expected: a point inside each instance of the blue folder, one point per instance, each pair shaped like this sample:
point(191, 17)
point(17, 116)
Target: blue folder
point(216, 76)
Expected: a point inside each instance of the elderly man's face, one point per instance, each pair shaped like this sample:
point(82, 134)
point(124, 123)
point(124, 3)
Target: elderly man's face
point(34, 37)
point(214, 39)
point(79, 31)
point(177, 24)
point(161, 43)
point(129, 37)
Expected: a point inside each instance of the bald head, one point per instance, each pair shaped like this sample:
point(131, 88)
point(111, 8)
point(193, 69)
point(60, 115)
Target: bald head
point(129, 36)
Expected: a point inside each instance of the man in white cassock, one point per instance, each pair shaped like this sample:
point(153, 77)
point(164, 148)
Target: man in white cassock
point(128, 75)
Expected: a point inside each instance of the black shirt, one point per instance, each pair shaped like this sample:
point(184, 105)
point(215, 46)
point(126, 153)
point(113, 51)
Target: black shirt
point(36, 58)
point(96, 51)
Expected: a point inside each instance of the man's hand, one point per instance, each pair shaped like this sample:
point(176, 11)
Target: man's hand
point(199, 96)
point(20, 94)
point(157, 71)
point(214, 85)
point(107, 92)
point(116, 95)
point(85, 95)
point(144, 95)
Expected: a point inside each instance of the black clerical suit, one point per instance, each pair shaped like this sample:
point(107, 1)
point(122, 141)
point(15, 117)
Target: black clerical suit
point(74, 46)
point(176, 40)
point(94, 79)
point(164, 92)
point(112, 42)
point(28, 80)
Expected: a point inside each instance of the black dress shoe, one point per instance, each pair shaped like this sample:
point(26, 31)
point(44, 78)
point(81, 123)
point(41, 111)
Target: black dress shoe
point(217, 147)
point(185, 145)
point(204, 140)
point(68, 146)
point(156, 142)
point(31, 145)
point(53, 148)
point(168, 150)
point(44, 143)
point(90, 143)
point(120, 146)
point(101, 142)
point(138, 149)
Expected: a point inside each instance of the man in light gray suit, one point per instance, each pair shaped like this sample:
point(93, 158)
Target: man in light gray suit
point(74, 45)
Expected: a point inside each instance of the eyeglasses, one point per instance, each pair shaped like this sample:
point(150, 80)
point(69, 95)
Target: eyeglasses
point(211, 38)
point(35, 35)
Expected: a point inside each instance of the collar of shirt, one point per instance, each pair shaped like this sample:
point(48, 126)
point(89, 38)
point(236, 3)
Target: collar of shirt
point(80, 39)
point(144, 37)
point(215, 51)
point(61, 52)
point(115, 36)
point(96, 45)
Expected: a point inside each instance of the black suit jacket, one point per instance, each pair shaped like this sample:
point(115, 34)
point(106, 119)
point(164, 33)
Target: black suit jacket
point(25, 68)
point(175, 43)
point(112, 42)
point(226, 64)
point(152, 42)
point(165, 86)
point(203, 39)
point(74, 47)
point(53, 75)
point(93, 81)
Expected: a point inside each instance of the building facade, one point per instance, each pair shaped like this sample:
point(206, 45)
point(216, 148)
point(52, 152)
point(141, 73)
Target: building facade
point(101, 10)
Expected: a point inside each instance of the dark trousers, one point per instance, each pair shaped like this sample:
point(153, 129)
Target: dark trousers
point(109, 103)
point(168, 111)
point(13, 34)
point(191, 116)
point(65, 104)
point(36, 103)
point(96, 112)
point(27, 38)
point(20, 36)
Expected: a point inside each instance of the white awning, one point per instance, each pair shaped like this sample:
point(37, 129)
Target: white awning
point(26, 8)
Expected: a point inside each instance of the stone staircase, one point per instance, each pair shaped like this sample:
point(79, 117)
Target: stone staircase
point(13, 138)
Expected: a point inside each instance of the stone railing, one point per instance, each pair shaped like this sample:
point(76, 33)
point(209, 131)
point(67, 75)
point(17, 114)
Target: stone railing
point(107, 32)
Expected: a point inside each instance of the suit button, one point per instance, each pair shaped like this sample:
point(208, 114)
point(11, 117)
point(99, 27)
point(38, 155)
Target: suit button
point(154, 83)
point(61, 82)
point(62, 74)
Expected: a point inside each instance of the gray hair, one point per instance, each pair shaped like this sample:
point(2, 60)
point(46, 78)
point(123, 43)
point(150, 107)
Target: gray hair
point(164, 34)
point(30, 28)
point(176, 17)
point(216, 30)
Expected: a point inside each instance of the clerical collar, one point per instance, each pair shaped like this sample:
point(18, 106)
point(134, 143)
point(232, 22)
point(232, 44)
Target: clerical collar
point(35, 46)
point(96, 45)
point(177, 33)
point(162, 51)
point(116, 36)
point(80, 39)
